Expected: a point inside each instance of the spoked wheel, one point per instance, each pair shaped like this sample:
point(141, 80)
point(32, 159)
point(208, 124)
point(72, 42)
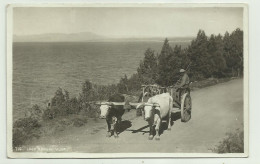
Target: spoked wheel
point(186, 108)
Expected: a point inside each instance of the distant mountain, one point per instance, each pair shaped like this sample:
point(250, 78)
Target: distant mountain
point(58, 37)
point(91, 37)
point(152, 39)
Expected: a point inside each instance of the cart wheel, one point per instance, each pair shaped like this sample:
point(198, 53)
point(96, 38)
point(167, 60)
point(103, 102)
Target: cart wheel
point(186, 108)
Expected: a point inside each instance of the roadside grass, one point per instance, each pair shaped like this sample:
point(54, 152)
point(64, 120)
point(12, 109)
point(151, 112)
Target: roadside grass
point(29, 128)
point(68, 112)
point(25, 129)
point(233, 142)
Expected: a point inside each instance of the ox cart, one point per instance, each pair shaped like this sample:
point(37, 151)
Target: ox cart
point(181, 101)
point(181, 98)
point(162, 103)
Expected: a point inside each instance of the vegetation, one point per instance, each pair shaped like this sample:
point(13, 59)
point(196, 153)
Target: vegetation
point(61, 104)
point(207, 57)
point(232, 143)
point(216, 56)
point(25, 129)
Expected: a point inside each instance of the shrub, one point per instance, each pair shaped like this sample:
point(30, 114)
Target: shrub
point(48, 114)
point(77, 122)
point(25, 129)
point(65, 121)
point(88, 92)
point(72, 106)
point(35, 112)
point(59, 98)
point(62, 105)
point(232, 143)
point(90, 110)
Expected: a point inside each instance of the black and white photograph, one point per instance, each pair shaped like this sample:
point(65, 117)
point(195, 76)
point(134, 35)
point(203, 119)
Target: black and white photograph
point(127, 80)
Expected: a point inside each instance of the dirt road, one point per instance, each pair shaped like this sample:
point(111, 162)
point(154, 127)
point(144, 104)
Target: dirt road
point(216, 110)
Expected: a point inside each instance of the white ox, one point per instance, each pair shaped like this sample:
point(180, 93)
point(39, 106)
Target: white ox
point(157, 108)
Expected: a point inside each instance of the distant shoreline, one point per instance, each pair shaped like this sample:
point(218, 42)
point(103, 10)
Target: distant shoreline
point(112, 40)
point(104, 41)
point(89, 37)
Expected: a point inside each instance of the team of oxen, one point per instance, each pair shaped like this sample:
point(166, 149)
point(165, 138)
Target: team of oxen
point(154, 111)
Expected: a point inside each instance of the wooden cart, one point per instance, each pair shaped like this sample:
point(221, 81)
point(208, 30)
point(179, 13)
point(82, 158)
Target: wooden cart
point(181, 102)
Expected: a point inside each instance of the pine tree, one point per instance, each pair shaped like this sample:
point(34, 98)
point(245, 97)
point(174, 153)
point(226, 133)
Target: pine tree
point(123, 85)
point(88, 93)
point(177, 61)
point(216, 52)
point(134, 83)
point(199, 57)
point(237, 55)
point(147, 69)
point(164, 66)
point(233, 52)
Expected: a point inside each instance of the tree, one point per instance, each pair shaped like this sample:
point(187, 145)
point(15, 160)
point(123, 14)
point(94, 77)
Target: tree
point(123, 85)
point(164, 66)
point(88, 93)
point(147, 69)
point(216, 59)
point(233, 51)
point(198, 54)
point(58, 98)
point(134, 82)
point(179, 60)
point(237, 50)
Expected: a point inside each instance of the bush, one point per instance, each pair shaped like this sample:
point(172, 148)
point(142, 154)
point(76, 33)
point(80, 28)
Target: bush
point(48, 114)
point(89, 110)
point(232, 143)
point(35, 112)
point(77, 122)
point(73, 106)
point(62, 105)
point(25, 129)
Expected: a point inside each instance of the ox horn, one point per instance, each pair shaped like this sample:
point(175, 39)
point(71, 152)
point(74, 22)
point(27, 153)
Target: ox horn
point(102, 103)
point(106, 103)
point(148, 104)
point(156, 105)
point(92, 102)
point(140, 105)
point(117, 103)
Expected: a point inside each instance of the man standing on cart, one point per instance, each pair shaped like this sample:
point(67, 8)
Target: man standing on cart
point(183, 83)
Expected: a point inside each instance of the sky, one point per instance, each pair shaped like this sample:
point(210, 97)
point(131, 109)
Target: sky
point(126, 22)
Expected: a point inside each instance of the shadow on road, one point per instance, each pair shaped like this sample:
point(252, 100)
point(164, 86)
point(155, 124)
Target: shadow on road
point(164, 126)
point(124, 125)
point(140, 130)
point(176, 116)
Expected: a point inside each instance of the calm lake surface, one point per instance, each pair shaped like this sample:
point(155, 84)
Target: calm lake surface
point(39, 69)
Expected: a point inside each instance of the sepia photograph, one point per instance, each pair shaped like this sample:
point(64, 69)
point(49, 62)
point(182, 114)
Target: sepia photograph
point(127, 80)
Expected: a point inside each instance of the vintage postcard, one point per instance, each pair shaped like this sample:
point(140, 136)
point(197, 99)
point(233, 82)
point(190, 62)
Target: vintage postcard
point(127, 80)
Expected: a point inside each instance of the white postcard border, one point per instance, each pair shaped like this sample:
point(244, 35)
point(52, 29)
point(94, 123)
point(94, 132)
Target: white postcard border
point(9, 40)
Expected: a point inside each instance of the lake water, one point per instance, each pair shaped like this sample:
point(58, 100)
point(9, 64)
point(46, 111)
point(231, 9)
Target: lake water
point(40, 68)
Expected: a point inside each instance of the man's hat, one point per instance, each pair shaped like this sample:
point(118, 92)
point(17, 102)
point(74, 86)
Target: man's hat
point(182, 70)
